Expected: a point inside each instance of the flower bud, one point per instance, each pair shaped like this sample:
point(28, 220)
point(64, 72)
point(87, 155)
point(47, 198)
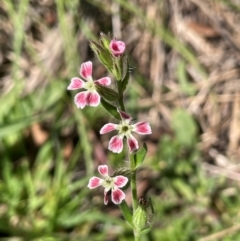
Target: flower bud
point(105, 40)
point(103, 54)
point(140, 218)
point(117, 47)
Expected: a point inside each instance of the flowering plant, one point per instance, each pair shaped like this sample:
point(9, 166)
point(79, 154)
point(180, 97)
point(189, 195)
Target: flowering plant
point(111, 53)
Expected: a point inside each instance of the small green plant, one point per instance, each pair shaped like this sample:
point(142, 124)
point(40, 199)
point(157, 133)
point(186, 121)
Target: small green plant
point(110, 53)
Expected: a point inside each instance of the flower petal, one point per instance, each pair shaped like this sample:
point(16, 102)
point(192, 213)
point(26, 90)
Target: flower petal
point(124, 115)
point(103, 81)
point(117, 47)
point(86, 70)
point(117, 196)
point(76, 83)
point(132, 143)
point(105, 197)
point(80, 99)
point(103, 170)
point(142, 128)
point(120, 181)
point(94, 182)
point(116, 144)
point(92, 98)
point(107, 128)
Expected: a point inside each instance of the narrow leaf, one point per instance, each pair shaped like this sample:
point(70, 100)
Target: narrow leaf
point(111, 109)
point(107, 93)
point(140, 155)
point(125, 72)
point(126, 212)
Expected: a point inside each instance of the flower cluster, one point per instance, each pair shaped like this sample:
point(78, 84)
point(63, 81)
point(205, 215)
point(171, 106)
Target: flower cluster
point(93, 92)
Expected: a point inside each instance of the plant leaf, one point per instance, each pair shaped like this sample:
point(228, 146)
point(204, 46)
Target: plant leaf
point(111, 109)
point(184, 127)
point(140, 155)
point(126, 211)
point(107, 93)
point(125, 72)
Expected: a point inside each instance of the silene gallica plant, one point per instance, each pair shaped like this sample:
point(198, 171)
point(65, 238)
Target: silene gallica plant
point(111, 53)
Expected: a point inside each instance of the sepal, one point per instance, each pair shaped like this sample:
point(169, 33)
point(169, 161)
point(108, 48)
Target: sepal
point(139, 218)
point(103, 54)
point(105, 40)
point(142, 219)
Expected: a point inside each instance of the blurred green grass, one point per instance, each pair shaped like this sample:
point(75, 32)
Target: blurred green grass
point(44, 197)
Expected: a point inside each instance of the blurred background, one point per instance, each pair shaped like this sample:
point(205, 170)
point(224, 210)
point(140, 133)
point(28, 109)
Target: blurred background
point(185, 80)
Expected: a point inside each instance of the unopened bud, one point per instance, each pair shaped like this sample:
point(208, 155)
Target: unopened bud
point(140, 218)
point(117, 47)
point(102, 53)
point(105, 40)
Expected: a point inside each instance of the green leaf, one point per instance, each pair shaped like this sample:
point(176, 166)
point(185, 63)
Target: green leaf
point(184, 189)
point(125, 66)
point(146, 230)
point(184, 127)
point(103, 54)
point(126, 212)
point(95, 47)
point(186, 87)
point(107, 93)
point(105, 40)
point(105, 58)
point(125, 72)
point(11, 99)
point(139, 218)
point(140, 155)
point(69, 220)
point(117, 69)
point(14, 127)
point(111, 109)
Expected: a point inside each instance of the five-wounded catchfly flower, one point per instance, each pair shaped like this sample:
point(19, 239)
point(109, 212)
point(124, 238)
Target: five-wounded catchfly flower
point(125, 129)
point(117, 47)
point(90, 96)
point(110, 184)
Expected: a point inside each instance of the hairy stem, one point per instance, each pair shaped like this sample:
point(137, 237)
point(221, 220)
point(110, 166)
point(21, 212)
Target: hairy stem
point(137, 235)
point(120, 94)
point(133, 183)
point(134, 191)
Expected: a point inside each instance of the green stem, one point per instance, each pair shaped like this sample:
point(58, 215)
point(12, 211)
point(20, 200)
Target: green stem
point(137, 237)
point(133, 183)
point(120, 94)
